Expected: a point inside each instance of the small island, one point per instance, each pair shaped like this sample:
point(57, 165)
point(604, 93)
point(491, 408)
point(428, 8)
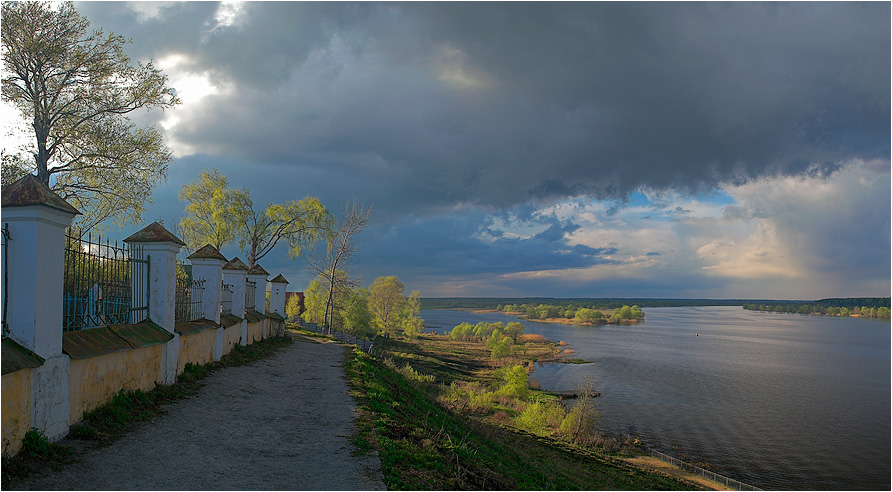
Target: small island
point(575, 315)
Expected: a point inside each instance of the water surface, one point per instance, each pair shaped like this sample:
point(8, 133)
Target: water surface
point(779, 401)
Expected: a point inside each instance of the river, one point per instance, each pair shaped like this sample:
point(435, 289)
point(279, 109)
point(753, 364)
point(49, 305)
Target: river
point(779, 401)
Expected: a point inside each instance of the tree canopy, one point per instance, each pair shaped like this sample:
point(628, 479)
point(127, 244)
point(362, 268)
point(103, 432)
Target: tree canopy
point(210, 216)
point(217, 213)
point(76, 88)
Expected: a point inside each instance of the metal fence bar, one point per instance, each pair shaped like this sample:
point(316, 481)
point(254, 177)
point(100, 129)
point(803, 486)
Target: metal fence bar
point(226, 302)
point(715, 477)
point(250, 287)
point(5, 243)
point(98, 284)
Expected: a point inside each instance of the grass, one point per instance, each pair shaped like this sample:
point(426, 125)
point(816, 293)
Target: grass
point(422, 445)
point(111, 421)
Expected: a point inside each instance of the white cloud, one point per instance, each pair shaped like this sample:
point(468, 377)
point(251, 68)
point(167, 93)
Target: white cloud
point(229, 14)
point(147, 11)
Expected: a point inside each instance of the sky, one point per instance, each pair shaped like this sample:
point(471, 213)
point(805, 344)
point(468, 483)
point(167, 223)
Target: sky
point(683, 150)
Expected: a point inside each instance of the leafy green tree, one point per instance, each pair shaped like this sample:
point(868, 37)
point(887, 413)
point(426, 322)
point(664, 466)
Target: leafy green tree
point(386, 300)
point(411, 323)
point(77, 88)
point(292, 307)
point(514, 382)
point(514, 330)
point(210, 217)
point(357, 316)
point(314, 302)
point(298, 223)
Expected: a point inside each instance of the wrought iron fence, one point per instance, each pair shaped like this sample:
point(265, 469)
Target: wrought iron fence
point(715, 477)
point(342, 336)
point(190, 294)
point(250, 287)
point(226, 302)
point(5, 243)
point(104, 284)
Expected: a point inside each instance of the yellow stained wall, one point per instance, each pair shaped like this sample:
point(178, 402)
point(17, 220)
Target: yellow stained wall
point(16, 409)
point(197, 349)
point(96, 380)
point(231, 337)
point(255, 332)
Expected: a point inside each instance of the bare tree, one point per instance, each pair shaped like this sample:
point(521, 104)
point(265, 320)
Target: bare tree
point(342, 247)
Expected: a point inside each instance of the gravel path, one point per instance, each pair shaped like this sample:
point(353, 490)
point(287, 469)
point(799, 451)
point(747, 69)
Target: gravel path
point(283, 423)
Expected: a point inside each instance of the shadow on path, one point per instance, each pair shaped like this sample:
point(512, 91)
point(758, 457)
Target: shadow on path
point(283, 423)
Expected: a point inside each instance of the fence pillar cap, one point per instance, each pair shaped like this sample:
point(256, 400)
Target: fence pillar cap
point(30, 191)
point(258, 270)
point(154, 233)
point(235, 264)
point(279, 279)
point(207, 252)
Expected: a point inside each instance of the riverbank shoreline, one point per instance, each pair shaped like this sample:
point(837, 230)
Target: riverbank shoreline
point(561, 321)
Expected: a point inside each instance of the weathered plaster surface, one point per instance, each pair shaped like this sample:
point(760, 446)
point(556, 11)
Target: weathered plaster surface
point(16, 409)
point(95, 381)
point(196, 349)
point(50, 396)
point(255, 332)
point(231, 337)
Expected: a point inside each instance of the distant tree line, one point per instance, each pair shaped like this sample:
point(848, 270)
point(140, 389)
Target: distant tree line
point(863, 307)
point(588, 313)
point(577, 302)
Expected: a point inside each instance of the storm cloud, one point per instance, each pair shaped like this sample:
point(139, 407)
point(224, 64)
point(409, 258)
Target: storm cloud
point(465, 123)
point(499, 103)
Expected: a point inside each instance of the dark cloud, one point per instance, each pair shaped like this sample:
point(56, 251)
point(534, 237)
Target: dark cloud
point(598, 98)
point(447, 116)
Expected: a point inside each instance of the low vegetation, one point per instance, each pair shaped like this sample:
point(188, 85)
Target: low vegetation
point(446, 414)
point(592, 314)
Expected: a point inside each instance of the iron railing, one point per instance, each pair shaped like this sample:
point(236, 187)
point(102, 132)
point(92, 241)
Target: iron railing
point(5, 243)
point(341, 336)
point(226, 302)
point(715, 477)
point(190, 294)
point(104, 284)
point(250, 287)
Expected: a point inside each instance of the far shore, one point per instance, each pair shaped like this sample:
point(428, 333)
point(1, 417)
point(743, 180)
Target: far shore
point(561, 321)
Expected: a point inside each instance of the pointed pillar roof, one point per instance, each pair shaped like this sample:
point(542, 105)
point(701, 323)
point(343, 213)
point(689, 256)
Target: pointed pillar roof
point(207, 251)
point(235, 264)
point(30, 191)
point(279, 279)
point(154, 233)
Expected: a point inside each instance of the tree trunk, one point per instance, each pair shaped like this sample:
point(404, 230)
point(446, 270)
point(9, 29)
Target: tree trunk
point(42, 156)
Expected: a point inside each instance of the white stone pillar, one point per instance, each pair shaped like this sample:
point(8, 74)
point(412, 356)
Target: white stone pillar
point(207, 265)
point(235, 272)
point(277, 295)
point(161, 247)
point(35, 252)
point(258, 275)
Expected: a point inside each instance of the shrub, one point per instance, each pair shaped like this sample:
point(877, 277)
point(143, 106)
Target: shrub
point(514, 382)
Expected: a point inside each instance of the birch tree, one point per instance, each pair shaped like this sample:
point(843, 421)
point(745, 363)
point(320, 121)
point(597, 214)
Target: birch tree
point(77, 89)
point(342, 247)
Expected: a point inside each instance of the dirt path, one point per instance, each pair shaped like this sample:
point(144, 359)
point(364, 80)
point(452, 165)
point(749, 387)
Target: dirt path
point(662, 466)
point(283, 423)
